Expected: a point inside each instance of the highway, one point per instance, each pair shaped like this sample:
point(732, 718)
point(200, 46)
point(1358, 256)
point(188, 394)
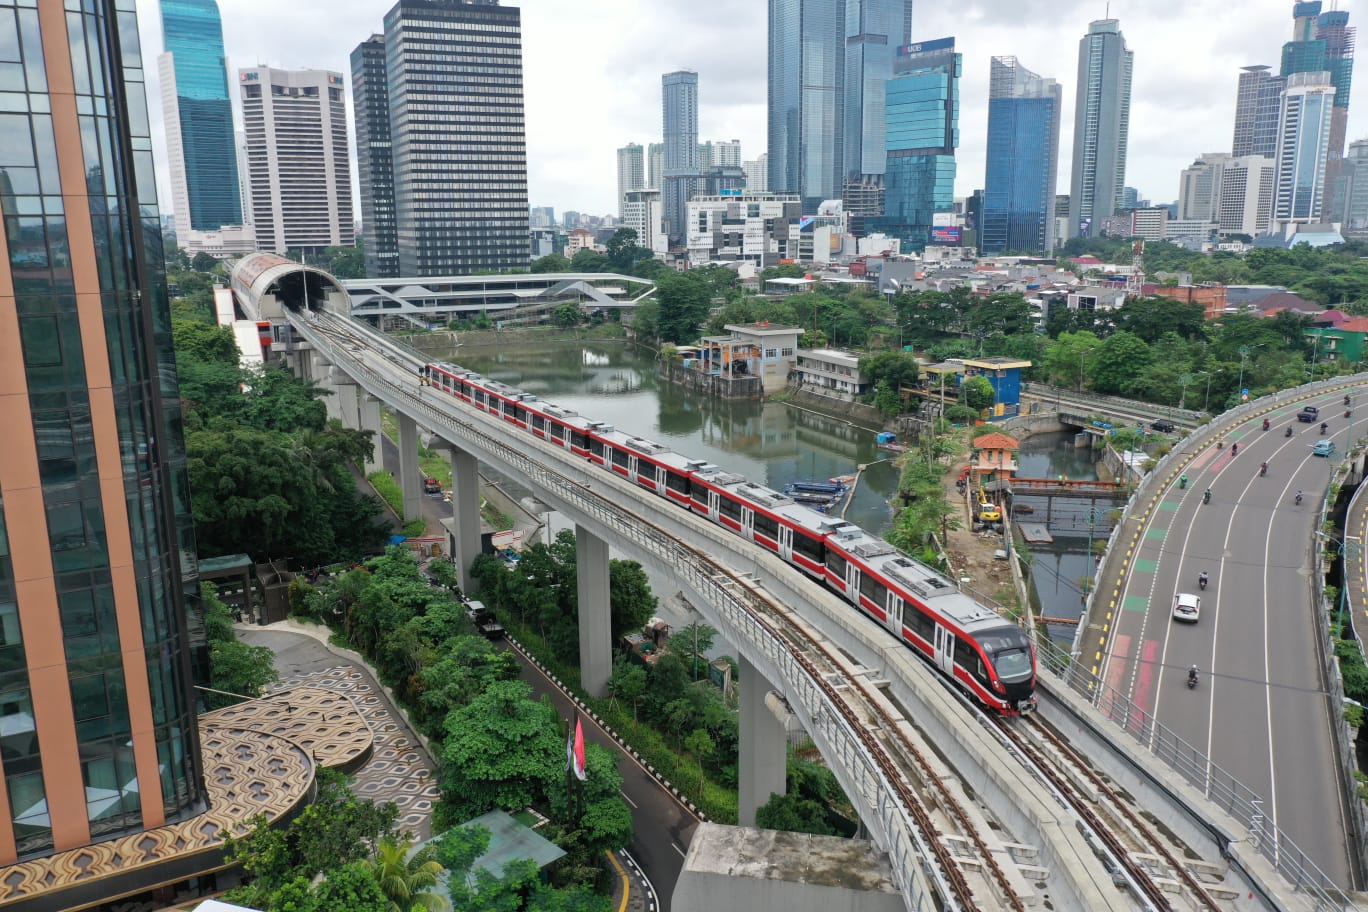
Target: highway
point(1259, 712)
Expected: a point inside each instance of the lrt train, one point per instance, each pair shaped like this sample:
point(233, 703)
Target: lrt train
point(982, 653)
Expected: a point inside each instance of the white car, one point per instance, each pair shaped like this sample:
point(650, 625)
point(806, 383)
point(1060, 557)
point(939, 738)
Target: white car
point(1187, 607)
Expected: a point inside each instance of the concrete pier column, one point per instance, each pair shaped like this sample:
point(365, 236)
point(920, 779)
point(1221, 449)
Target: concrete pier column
point(320, 371)
point(463, 532)
point(369, 420)
point(763, 748)
point(595, 615)
point(344, 389)
point(410, 475)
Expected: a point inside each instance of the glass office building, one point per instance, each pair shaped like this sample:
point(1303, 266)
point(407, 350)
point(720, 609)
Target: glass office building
point(96, 542)
point(806, 98)
point(1101, 127)
point(199, 115)
point(1303, 145)
point(1023, 160)
point(370, 104)
point(874, 30)
point(922, 133)
point(1257, 103)
point(679, 120)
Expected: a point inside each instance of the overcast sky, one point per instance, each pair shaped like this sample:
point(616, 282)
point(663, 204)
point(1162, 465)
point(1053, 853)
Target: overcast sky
point(592, 73)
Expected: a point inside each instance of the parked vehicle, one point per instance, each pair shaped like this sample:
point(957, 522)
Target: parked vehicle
point(1308, 414)
point(1163, 425)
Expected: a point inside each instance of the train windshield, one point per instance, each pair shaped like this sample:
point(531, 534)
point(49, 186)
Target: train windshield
point(1010, 651)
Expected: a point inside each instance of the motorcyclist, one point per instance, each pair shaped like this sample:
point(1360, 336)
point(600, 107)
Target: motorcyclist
point(1323, 427)
point(1346, 398)
point(1182, 481)
point(1202, 579)
point(1234, 448)
point(1265, 424)
point(1206, 497)
point(1192, 676)
point(1289, 431)
point(1263, 469)
point(1299, 498)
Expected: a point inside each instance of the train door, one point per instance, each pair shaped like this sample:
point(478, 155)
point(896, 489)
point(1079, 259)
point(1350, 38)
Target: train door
point(895, 610)
point(661, 477)
point(785, 542)
point(713, 505)
point(945, 650)
point(852, 583)
point(632, 468)
point(748, 523)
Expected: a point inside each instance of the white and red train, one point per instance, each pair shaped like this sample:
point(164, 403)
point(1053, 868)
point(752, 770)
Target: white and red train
point(984, 654)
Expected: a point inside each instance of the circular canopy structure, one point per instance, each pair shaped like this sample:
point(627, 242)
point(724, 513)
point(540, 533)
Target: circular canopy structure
point(267, 284)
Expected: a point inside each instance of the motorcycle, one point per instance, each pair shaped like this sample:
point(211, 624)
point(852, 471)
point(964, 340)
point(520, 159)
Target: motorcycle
point(1346, 413)
point(1265, 424)
point(1182, 482)
point(1192, 680)
point(1323, 427)
point(1234, 449)
point(1289, 431)
point(1299, 496)
point(1206, 498)
point(1202, 581)
point(1263, 470)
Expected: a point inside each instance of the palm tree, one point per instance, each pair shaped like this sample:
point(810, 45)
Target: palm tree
point(407, 881)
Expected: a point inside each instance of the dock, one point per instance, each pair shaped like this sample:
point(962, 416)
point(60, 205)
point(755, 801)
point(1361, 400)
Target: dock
point(1035, 533)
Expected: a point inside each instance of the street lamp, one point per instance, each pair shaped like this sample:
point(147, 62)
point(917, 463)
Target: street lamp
point(1182, 398)
point(1245, 351)
point(1081, 360)
point(1206, 400)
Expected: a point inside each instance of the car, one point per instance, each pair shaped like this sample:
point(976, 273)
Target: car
point(1163, 425)
point(1308, 414)
point(1187, 607)
point(1323, 448)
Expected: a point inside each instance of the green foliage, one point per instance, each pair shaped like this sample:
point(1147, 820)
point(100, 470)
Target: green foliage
point(886, 400)
point(567, 315)
point(683, 302)
point(203, 262)
point(894, 368)
point(552, 262)
point(520, 887)
point(388, 488)
point(794, 814)
point(407, 881)
point(978, 393)
point(750, 309)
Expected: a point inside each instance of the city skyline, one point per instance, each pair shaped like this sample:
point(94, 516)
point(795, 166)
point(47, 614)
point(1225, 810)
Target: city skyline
point(1177, 112)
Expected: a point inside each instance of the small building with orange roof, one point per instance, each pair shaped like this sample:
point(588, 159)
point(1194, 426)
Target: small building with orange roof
point(995, 455)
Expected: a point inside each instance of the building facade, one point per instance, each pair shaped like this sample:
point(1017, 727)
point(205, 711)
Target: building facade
point(1354, 219)
point(831, 369)
point(1303, 148)
point(458, 152)
point(655, 165)
point(298, 170)
point(374, 165)
point(1246, 195)
point(97, 551)
point(1022, 161)
point(922, 122)
point(874, 30)
point(1199, 187)
point(1101, 126)
point(641, 213)
point(745, 227)
point(679, 117)
point(631, 173)
point(757, 173)
point(1257, 102)
point(198, 116)
point(806, 98)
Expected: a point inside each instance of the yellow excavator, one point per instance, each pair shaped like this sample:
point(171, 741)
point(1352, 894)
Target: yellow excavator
point(987, 510)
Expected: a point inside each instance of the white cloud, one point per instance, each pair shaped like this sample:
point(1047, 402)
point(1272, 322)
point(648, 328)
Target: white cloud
point(592, 72)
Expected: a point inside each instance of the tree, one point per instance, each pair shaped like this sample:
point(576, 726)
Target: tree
point(627, 682)
point(567, 315)
point(588, 260)
point(349, 887)
point(898, 369)
point(701, 746)
point(237, 668)
point(692, 642)
point(886, 400)
point(978, 393)
point(606, 824)
point(684, 299)
point(794, 814)
point(407, 882)
point(630, 596)
point(552, 262)
point(203, 262)
point(347, 262)
point(204, 342)
point(1120, 358)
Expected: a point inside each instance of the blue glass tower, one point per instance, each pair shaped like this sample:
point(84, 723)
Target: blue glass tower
point(921, 135)
point(874, 31)
point(806, 98)
point(1023, 160)
point(204, 160)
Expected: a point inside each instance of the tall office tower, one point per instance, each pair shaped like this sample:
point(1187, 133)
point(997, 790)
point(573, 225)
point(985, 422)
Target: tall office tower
point(727, 153)
point(757, 173)
point(1257, 102)
point(1023, 160)
point(1199, 187)
point(806, 98)
point(655, 165)
point(374, 166)
point(1246, 195)
point(297, 163)
point(240, 147)
point(1304, 127)
point(1101, 127)
point(679, 110)
point(631, 172)
point(874, 30)
point(1323, 42)
point(1354, 218)
point(705, 154)
point(1130, 198)
point(458, 151)
point(641, 213)
point(96, 541)
point(199, 118)
point(922, 124)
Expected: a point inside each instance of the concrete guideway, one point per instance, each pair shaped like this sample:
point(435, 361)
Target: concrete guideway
point(1262, 716)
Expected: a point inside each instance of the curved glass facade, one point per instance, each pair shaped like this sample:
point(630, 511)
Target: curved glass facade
point(94, 658)
point(1022, 161)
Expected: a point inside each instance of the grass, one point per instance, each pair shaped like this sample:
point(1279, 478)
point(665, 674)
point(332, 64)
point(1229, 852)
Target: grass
point(435, 465)
point(389, 489)
point(497, 519)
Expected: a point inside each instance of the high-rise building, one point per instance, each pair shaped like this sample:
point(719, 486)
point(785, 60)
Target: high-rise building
point(1304, 127)
point(679, 117)
point(1022, 160)
point(631, 173)
point(1354, 219)
point(922, 124)
point(874, 30)
point(705, 154)
point(806, 98)
point(1257, 102)
point(641, 213)
point(298, 169)
point(727, 153)
point(374, 166)
point(1101, 126)
point(453, 90)
point(1246, 195)
point(757, 172)
point(1199, 188)
point(198, 117)
point(1130, 198)
point(1323, 42)
point(655, 166)
point(97, 549)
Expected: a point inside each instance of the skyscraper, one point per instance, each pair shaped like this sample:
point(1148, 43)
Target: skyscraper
point(1323, 42)
point(922, 132)
point(874, 30)
point(655, 166)
point(297, 165)
point(679, 117)
point(1023, 160)
point(96, 541)
point(1304, 128)
point(757, 173)
point(453, 87)
point(1257, 102)
point(806, 98)
point(374, 166)
point(631, 173)
point(1246, 195)
point(1101, 127)
point(199, 118)
point(1199, 188)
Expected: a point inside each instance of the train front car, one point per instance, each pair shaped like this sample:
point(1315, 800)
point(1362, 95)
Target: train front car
point(1012, 660)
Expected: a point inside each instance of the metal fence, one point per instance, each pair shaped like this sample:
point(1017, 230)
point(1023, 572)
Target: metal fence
point(1116, 403)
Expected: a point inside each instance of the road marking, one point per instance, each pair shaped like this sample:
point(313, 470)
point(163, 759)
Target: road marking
point(679, 850)
point(626, 881)
point(628, 800)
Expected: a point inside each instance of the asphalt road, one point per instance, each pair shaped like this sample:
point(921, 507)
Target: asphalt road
point(1259, 712)
point(435, 509)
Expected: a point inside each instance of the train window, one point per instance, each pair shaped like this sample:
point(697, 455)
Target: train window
point(730, 508)
point(578, 439)
point(836, 562)
point(766, 526)
point(917, 622)
point(872, 589)
point(700, 495)
point(621, 457)
point(520, 413)
point(480, 396)
point(596, 447)
point(538, 423)
point(677, 482)
point(555, 431)
point(808, 547)
point(509, 409)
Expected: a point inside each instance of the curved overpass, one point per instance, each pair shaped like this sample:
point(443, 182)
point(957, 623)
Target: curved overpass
point(1261, 730)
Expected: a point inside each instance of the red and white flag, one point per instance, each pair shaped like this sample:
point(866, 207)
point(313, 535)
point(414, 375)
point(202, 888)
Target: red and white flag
point(574, 751)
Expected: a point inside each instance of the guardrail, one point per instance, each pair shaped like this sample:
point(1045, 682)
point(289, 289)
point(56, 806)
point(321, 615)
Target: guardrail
point(1192, 764)
point(1114, 403)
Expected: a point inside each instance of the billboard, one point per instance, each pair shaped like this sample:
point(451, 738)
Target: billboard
point(942, 219)
point(947, 235)
point(939, 44)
